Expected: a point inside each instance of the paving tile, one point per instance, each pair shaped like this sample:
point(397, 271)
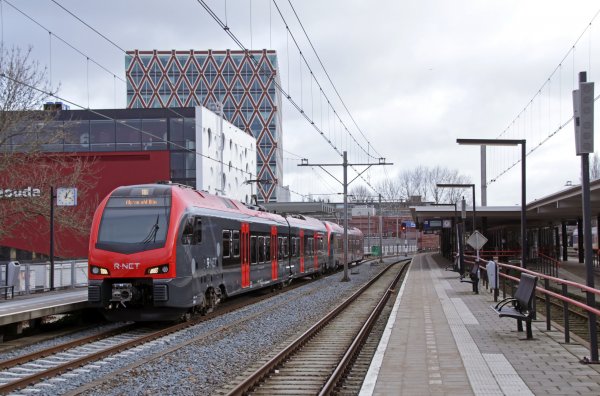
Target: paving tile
point(446, 340)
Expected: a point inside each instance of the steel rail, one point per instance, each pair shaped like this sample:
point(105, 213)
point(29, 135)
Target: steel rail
point(251, 381)
point(359, 340)
point(7, 364)
point(34, 378)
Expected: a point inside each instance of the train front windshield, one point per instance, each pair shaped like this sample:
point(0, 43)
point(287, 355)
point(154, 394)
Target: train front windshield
point(134, 224)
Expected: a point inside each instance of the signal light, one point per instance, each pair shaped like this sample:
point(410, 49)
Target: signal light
point(403, 227)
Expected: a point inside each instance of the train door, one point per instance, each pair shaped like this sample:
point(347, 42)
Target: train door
point(301, 251)
point(316, 248)
point(245, 254)
point(274, 264)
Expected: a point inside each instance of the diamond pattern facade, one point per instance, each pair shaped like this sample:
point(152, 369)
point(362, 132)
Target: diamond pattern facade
point(244, 82)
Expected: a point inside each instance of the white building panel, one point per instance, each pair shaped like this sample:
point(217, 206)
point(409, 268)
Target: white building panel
point(228, 157)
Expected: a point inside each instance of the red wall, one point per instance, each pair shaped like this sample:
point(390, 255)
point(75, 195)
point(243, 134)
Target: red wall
point(112, 170)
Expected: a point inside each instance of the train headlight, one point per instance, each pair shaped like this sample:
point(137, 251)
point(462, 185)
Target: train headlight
point(161, 269)
point(99, 270)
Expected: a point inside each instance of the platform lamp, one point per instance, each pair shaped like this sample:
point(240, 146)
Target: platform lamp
point(461, 185)
point(510, 142)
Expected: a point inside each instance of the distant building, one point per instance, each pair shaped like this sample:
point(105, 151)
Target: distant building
point(242, 82)
point(135, 146)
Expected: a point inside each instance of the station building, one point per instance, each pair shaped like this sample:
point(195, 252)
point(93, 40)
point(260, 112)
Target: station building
point(242, 83)
point(192, 146)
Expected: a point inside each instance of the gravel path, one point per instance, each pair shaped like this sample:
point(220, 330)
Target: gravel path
point(206, 365)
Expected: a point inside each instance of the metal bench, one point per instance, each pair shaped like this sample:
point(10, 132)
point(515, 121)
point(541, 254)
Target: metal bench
point(473, 278)
point(520, 306)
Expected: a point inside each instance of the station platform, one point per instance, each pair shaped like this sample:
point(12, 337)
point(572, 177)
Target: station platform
point(37, 305)
point(443, 339)
point(575, 271)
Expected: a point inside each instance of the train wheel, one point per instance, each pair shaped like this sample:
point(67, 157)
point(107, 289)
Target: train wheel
point(186, 317)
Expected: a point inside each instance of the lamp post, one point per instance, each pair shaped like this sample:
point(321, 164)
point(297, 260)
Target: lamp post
point(510, 142)
point(455, 185)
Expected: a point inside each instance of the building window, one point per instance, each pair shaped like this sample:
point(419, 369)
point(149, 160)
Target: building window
point(77, 136)
point(128, 136)
point(102, 135)
point(154, 135)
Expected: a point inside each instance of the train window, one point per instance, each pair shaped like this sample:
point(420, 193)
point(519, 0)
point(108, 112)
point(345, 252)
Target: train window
point(197, 238)
point(286, 251)
point(310, 246)
point(294, 247)
point(268, 248)
point(321, 246)
point(192, 231)
point(226, 243)
point(261, 249)
point(188, 232)
point(280, 248)
point(236, 244)
point(253, 255)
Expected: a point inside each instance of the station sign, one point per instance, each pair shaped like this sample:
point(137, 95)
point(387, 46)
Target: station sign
point(27, 192)
point(432, 224)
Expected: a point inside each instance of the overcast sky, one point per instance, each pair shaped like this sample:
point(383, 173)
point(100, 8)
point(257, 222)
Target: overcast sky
point(415, 75)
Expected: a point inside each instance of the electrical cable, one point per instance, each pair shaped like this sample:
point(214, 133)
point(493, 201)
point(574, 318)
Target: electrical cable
point(329, 78)
point(64, 41)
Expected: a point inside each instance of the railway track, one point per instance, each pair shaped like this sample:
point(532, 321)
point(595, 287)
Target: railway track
point(24, 371)
point(577, 318)
point(322, 360)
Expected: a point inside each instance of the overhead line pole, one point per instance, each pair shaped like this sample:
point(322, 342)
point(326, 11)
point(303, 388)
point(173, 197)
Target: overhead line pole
point(345, 183)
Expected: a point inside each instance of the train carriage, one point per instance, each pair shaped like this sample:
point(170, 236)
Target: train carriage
point(162, 251)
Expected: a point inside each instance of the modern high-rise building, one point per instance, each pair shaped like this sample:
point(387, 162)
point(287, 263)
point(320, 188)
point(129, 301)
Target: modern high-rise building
point(241, 83)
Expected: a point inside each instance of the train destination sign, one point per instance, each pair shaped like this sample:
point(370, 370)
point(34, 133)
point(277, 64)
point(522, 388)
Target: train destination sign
point(27, 192)
point(141, 202)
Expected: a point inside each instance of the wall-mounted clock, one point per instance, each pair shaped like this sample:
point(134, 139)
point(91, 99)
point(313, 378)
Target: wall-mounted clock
point(66, 196)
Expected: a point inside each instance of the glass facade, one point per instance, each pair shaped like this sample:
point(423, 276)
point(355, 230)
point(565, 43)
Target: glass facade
point(243, 82)
point(118, 135)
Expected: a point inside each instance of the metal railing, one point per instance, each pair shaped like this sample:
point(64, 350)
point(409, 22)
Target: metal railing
point(507, 275)
point(34, 277)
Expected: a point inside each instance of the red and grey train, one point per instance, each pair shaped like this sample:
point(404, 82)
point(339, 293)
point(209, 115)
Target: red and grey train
point(163, 251)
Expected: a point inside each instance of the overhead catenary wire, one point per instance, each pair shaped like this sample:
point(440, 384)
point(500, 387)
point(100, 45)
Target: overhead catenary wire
point(312, 74)
point(330, 80)
point(278, 86)
point(224, 26)
point(64, 41)
point(529, 106)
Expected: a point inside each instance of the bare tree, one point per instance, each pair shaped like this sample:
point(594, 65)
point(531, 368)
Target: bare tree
point(26, 172)
point(440, 175)
point(360, 193)
point(412, 183)
point(422, 181)
point(390, 190)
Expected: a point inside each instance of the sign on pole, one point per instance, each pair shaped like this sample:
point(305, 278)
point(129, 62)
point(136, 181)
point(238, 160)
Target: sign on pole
point(477, 240)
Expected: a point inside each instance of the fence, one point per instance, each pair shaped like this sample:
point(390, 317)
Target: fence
point(35, 277)
point(510, 276)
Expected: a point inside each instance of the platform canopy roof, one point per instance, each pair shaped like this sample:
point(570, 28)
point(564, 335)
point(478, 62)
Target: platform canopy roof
point(552, 209)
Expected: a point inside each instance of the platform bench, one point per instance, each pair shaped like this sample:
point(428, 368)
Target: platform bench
point(520, 306)
point(473, 278)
